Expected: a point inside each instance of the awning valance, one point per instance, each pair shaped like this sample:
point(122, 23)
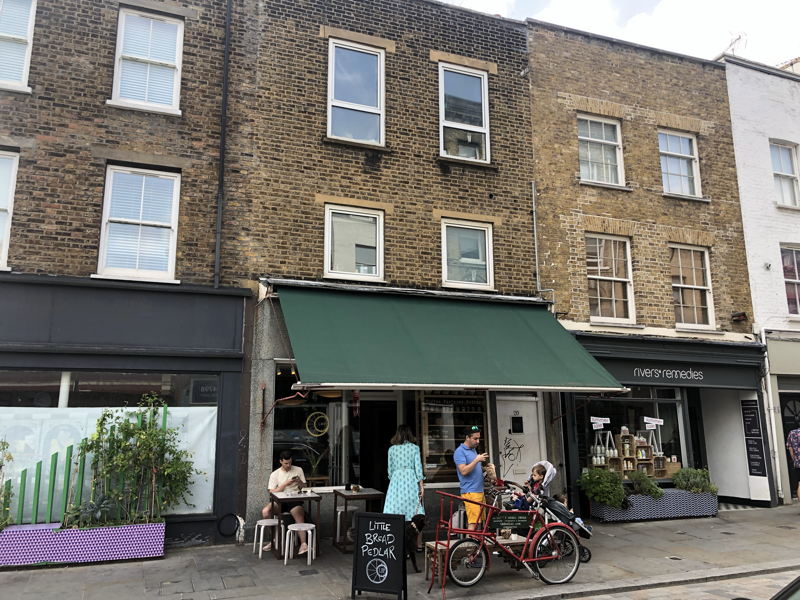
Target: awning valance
point(357, 340)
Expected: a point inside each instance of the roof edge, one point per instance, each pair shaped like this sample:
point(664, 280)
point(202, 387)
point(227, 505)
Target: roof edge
point(756, 66)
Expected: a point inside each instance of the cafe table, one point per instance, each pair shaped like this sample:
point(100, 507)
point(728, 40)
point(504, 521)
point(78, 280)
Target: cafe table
point(348, 496)
point(306, 497)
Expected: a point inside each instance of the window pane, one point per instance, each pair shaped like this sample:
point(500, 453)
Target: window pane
point(126, 196)
point(164, 41)
point(592, 258)
point(583, 128)
point(466, 255)
point(160, 84)
point(122, 246)
point(14, 15)
point(463, 98)
point(355, 124)
point(154, 248)
point(157, 200)
point(354, 240)
point(3, 225)
point(675, 265)
point(663, 145)
point(792, 298)
point(133, 80)
point(12, 60)
point(6, 164)
point(136, 37)
point(355, 77)
point(789, 266)
point(464, 144)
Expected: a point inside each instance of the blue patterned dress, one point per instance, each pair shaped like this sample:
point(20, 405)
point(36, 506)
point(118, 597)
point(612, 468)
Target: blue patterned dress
point(405, 473)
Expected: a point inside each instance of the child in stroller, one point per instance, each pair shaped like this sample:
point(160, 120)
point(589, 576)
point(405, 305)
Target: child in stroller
point(556, 507)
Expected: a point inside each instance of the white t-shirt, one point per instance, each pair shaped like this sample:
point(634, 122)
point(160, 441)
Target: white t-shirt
point(281, 475)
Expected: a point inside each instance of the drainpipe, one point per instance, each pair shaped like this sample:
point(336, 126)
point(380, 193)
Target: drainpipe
point(771, 411)
point(539, 289)
point(223, 133)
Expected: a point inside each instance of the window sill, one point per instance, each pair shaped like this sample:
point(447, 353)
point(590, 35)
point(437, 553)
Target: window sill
point(355, 144)
point(792, 318)
point(786, 207)
point(468, 286)
point(18, 88)
point(682, 197)
point(134, 278)
point(175, 112)
point(609, 186)
point(601, 323)
point(448, 161)
point(5, 269)
point(346, 277)
point(698, 330)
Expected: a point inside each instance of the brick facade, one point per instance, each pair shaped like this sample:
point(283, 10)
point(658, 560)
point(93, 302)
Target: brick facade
point(575, 73)
point(283, 170)
point(66, 134)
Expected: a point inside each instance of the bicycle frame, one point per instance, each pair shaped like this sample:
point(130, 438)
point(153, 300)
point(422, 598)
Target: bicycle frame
point(538, 527)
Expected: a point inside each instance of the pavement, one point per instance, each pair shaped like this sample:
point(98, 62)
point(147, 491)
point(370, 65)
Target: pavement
point(627, 559)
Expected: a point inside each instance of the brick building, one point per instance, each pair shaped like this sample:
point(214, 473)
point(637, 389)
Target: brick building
point(109, 287)
point(381, 166)
point(640, 240)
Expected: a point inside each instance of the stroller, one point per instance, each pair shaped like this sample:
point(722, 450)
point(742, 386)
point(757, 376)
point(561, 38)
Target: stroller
point(558, 512)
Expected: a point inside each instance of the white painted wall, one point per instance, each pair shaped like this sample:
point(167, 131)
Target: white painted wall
point(725, 448)
point(764, 107)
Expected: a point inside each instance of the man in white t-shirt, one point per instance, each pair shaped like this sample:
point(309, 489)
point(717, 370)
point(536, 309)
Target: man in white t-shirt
point(287, 478)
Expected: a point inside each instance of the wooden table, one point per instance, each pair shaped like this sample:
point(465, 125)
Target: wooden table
point(306, 498)
point(350, 496)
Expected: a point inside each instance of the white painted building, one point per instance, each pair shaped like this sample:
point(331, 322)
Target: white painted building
point(765, 115)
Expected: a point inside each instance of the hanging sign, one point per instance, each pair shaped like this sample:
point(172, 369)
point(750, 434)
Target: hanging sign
point(653, 421)
point(379, 563)
point(597, 425)
point(649, 425)
point(600, 419)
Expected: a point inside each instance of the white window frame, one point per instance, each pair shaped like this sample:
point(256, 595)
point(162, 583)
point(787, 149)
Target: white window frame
point(484, 77)
point(10, 211)
point(363, 212)
point(380, 110)
point(796, 282)
point(115, 100)
point(793, 177)
point(694, 158)
point(709, 293)
point(618, 146)
point(631, 319)
point(138, 274)
point(22, 86)
point(487, 228)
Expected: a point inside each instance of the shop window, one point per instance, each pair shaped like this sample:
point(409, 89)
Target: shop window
point(8, 180)
point(353, 243)
point(443, 418)
point(467, 254)
point(784, 173)
point(680, 173)
point(464, 113)
point(600, 150)
point(16, 36)
point(791, 278)
point(147, 74)
point(609, 274)
point(691, 287)
point(140, 224)
point(355, 92)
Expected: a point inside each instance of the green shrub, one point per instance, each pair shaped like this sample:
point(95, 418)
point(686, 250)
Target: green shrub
point(603, 486)
point(694, 480)
point(642, 484)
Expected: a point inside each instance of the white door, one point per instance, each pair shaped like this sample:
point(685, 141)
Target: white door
point(520, 434)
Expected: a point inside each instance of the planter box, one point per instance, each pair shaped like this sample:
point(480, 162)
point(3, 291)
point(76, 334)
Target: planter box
point(674, 504)
point(47, 544)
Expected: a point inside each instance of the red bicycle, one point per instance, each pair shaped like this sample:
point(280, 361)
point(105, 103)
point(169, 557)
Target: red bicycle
point(550, 551)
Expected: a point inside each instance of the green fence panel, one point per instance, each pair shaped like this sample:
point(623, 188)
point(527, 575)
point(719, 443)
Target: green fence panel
point(37, 484)
point(7, 497)
point(65, 487)
point(23, 482)
point(79, 478)
point(51, 486)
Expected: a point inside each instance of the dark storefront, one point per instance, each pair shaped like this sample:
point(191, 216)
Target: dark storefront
point(70, 347)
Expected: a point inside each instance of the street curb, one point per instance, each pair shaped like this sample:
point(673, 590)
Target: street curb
point(590, 589)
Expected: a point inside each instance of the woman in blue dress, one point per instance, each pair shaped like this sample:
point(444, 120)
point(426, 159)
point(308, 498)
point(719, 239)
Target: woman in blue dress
point(404, 496)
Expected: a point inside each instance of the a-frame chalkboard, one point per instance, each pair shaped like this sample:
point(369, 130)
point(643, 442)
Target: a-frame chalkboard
point(379, 563)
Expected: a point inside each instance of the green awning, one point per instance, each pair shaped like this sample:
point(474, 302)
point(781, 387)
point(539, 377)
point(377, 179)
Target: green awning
point(362, 340)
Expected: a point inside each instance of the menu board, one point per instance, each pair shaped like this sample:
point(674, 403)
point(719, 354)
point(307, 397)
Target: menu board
point(751, 420)
point(379, 563)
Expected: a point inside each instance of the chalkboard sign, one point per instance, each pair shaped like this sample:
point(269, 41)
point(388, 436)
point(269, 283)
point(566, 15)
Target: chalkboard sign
point(379, 563)
point(756, 463)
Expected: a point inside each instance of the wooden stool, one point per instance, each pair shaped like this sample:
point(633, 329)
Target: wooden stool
point(288, 547)
point(258, 535)
point(342, 514)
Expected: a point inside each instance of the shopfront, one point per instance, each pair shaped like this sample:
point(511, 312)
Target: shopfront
point(342, 366)
point(71, 348)
point(690, 403)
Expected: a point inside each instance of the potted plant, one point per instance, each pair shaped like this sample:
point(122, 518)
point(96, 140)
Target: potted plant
point(138, 471)
point(603, 488)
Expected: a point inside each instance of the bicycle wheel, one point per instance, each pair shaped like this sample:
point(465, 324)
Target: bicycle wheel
point(561, 547)
point(467, 563)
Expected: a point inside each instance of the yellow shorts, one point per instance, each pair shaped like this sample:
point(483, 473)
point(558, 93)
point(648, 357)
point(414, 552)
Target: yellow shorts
point(474, 511)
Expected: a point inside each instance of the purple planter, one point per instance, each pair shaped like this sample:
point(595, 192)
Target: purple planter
point(674, 504)
point(43, 544)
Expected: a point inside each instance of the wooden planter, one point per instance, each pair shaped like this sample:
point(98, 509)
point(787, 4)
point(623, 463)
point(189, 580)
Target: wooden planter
point(674, 504)
point(48, 544)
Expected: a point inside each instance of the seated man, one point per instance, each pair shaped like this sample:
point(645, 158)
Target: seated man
point(287, 478)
